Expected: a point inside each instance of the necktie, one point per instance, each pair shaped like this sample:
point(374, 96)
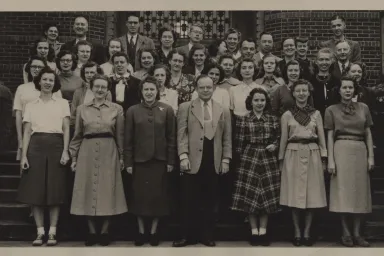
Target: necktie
point(207, 116)
point(343, 68)
point(208, 129)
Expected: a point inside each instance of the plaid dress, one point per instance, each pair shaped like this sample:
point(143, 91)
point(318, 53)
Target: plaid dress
point(257, 183)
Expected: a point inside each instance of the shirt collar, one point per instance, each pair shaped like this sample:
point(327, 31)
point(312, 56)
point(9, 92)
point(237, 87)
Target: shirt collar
point(261, 55)
point(190, 45)
point(346, 63)
point(39, 100)
point(253, 116)
point(92, 103)
point(274, 78)
point(126, 75)
point(203, 102)
point(133, 36)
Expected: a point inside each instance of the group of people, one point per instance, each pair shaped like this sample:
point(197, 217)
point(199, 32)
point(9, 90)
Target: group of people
point(278, 123)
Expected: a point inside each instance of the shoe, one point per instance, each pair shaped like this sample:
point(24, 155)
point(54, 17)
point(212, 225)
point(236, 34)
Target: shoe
point(207, 242)
point(51, 240)
point(183, 242)
point(296, 241)
point(307, 241)
point(39, 240)
point(140, 240)
point(154, 239)
point(104, 239)
point(92, 239)
point(264, 240)
point(347, 241)
point(360, 241)
point(254, 240)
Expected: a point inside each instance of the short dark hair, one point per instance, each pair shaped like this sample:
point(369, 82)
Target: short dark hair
point(302, 81)
point(337, 17)
point(90, 64)
point(248, 100)
point(199, 78)
point(176, 51)
point(265, 33)
point(195, 48)
point(210, 66)
point(151, 80)
point(120, 54)
point(169, 29)
point(301, 39)
point(109, 42)
point(348, 78)
point(285, 39)
point(49, 25)
point(151, 72)
point(83, 42)
point(238, 69)
point(134, 14)
point(27, 68)
point(151, 51)
point(61, 54)
point(249, 39)
point(226, 56)
point(291, 63)
point(363, 67)
point(101, 77)
point(232, 31)
point(33, 49)
point(47, 70)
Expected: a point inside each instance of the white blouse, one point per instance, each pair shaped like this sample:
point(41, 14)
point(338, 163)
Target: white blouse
point(238, 94)
point(170, 97)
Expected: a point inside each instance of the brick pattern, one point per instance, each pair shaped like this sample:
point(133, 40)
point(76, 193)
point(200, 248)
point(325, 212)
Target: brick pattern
point(362, 26)
point(18, 31)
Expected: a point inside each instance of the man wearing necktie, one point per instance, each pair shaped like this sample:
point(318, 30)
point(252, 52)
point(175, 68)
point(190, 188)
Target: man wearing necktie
point(132, 41)
point(205, 150)
point(343, 54)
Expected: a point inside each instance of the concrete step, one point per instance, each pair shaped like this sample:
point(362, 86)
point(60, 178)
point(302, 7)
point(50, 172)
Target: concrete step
point(7, 168)
point(8, 195)
point(14, 211)
point(8, 156)
point(17, 230)
point(9, 181)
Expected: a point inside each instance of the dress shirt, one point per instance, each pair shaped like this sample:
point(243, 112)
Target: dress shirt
point(120, 88)
point(341, 66)
point(134, 38)
point(220, 95)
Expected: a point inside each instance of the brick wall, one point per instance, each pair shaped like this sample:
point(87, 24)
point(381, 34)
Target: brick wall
point(362, 26)
point(18, 30)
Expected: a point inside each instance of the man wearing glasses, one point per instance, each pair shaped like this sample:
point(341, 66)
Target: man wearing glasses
point(196, 32)
point(132, 41)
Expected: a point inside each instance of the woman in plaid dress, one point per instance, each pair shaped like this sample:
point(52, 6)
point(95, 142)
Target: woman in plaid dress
point(257, 184)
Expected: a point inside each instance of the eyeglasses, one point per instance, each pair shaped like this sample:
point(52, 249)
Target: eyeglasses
point(104, 88)
point(66, 60)
point(37, 67)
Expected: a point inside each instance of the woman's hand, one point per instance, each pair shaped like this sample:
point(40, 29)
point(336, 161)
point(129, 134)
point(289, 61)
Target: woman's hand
point(332, 168)
point(271, 148)
point(64, 157)
point(121, 164)
point(371, 164)
point(24, 165)
point(224, 168)
point(129, 170)
point(169, 168)
point(73, 166)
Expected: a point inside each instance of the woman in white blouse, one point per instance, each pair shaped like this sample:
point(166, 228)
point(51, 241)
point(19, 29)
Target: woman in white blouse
point(167, 95)
point(216, 73)
point(114, 45)
point(26, 93)
point(45, 154)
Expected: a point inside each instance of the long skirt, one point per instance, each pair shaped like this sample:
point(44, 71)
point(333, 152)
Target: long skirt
point(44, 183)
point(257, 184)
point(150, 191)
point(350, 190)
point(302, 178)
point(98, 189)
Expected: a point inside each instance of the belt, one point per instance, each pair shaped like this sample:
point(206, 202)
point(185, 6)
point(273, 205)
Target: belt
point(350, 137)
point(303, 141)
point(98, 135)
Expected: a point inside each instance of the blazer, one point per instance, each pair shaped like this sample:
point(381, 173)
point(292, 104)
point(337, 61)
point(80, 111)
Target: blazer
point(150, 133)
point(336, 72)
point(184, 49)
point(321, 102)
point(131, 93)
point(142, 42)
point(98, 51)
point(355, 48)
point(190, 133)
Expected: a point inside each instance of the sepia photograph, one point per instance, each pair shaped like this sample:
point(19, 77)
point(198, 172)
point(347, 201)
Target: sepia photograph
point(192, 129)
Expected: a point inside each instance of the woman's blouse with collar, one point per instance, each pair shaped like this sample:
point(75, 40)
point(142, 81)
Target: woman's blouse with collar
point(228, 83)
point(141, 74)
point(270, 83)
point(184, 87)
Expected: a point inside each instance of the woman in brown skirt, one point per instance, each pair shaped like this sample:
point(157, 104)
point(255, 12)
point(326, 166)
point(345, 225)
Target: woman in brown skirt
point(257, 185)
point(150, 151)
point(349, 134)
point(302, 148)
point(45, 154)
point(97, 159)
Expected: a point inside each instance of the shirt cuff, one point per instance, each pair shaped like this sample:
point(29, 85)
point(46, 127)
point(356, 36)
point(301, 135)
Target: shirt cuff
point(183, 156)
point(225, 160)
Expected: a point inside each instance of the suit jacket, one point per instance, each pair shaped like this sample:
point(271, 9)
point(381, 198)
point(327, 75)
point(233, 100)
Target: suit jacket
point(131, 93)
point(355, 48)
point(321, 102)
point(142, 42)
point(336, 72)
point(190, 133)
point(98, 50)
point(184, 49)
point(150, 133)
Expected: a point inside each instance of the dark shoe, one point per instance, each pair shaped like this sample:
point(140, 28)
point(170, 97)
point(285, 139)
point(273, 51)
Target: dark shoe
point(308, 241)
point(140, 240)
point(51, 240)
point(154, 239)
point(180, 243)
point(264, 240)
point(104, 239)
point(254, 240)
point(360, 241)
point(209, 243)
point(39, 241)
point(296, 241)
point(92, 239)
point(347, 241)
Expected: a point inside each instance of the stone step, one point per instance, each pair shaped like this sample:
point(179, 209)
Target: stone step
point(8, 195)
point(17, 230)
point(14, 211)
point(9, 181)
point(8, 156)
point(7, 168)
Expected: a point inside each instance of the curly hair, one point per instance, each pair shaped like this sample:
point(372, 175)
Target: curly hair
point(47, 70)
point(248, 100)
point(238, 69)
point(261, 73)
point(363, 67)
point(151, 72)
point(150, 80)
point(210, 66)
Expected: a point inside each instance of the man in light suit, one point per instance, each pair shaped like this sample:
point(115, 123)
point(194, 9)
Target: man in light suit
point(265, 47)
point(338, 26)
point(205, 150)
point(132, 41)
point(80, 27)
point(195, 33)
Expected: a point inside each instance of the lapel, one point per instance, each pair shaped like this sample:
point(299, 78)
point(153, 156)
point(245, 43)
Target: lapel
point(216, 114)
point(139, 42)
point(197, 111)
